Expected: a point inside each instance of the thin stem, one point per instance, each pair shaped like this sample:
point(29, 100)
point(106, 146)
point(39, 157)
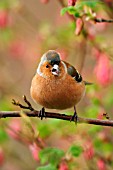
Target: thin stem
point(99, 20)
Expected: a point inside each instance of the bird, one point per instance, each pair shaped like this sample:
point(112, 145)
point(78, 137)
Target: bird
point(57, 84)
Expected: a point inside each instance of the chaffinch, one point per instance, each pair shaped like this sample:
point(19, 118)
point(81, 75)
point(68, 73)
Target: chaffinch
point(57, 84)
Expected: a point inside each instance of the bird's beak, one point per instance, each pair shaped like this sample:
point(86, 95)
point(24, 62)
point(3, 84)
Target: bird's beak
point(55, 70)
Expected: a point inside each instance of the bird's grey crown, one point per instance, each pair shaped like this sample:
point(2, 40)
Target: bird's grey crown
point(53, 57)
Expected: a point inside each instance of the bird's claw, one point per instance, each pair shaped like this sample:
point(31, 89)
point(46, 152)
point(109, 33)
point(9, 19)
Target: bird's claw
point(42, 113)
point(74, 118)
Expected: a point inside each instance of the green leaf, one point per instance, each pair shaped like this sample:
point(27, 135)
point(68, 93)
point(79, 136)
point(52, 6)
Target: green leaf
point(77, 14)
point(6, 35)
point(5, 105)
point(4, 4)
point(51, 155)
point(92, 111)
point(103, 147)
point(63, 11)
point(75, 150)
point(47, 167)
point(79, 7)
point(94, 129)
point(69, 9)
point(44, 129)
point(107, 147)
point(3, 136)
point(96, 101)
point(97, 143)
point(91, 4)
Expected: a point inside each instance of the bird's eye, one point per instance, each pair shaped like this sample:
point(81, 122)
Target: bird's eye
point(47, 66)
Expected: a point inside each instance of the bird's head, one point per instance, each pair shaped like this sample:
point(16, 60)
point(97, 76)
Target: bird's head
point(51, 65)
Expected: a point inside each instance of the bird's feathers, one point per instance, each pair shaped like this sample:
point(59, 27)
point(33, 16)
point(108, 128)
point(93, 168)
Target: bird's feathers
point(73, 72)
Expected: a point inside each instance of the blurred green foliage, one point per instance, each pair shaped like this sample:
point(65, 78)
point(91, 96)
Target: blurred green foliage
point(51, 155)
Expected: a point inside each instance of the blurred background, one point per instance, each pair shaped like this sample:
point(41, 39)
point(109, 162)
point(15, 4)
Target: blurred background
point(27, 30)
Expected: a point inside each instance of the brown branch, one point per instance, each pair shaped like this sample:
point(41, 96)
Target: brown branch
point(99, 20)
point(4, 114)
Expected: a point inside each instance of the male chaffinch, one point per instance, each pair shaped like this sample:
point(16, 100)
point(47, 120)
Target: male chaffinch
point(57, 84)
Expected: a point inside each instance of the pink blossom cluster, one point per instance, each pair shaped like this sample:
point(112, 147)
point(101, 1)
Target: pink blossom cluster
point(5, 19)
point(79, 26)
point(44, 1)
point(88, 150)
point(103, 69)
point(101, 164)
point(63, 166)
point(14, 130)
point(2, 157)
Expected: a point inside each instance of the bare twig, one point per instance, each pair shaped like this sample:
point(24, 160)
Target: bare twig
point(29, 107)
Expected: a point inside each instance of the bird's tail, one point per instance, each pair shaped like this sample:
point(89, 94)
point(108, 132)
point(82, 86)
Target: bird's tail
point(87, 83)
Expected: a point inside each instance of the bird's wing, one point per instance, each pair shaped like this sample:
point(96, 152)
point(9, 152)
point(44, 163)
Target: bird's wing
point(73, 72)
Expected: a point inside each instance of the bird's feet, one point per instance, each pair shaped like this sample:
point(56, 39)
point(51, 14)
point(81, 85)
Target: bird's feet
point(29, 106)
point(74, 117)
point(42, 113)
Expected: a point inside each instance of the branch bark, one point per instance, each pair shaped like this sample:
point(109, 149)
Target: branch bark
point(100, 20)
point(4, 114)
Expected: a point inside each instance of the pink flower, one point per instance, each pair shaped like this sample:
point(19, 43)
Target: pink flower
point(103, 70)
point(88, 150)
point(34, 151)
point(17, 49)
point(44, 1)
point(72, 2)
point(14, 129)
point(63, 166)
point(100, 114)
point(96, 53)
point(1, 157)
point(3, 18)
point(101, 165)
point(79, 26)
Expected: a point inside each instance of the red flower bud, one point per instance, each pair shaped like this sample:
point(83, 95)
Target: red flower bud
point(14, 129)
point(79, 26)
point(88, 150)
point(3, 18)
point(71, 2)
point(35, 151)
point(1, 157)
point(44, 1)
point(101, 165)
point(63, 166)
point(17, 49)
point(103, 70)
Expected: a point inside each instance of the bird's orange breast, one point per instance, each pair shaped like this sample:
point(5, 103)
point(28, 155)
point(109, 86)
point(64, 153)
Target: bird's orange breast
point(57, 93)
